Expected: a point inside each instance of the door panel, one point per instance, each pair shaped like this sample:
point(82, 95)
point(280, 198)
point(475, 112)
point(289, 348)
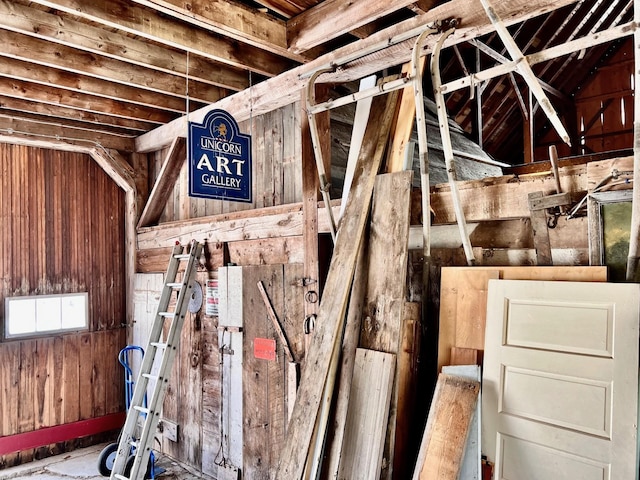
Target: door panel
point(560, 380)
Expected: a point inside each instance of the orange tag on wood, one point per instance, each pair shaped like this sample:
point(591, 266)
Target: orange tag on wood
point(264, 348)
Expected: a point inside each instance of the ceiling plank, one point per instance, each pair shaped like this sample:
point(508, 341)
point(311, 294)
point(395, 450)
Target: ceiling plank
point(18, 127)
point(58, 113)
point(145, 23)
point(284, 89)
point(66, 31)
point(57, 96)
point(333, 18)
point(52, 77)
point(48, 54)
point(228, 18)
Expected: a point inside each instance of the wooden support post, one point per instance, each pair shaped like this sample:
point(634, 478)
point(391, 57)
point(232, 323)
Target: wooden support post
point(332, 311)
point(538, 204)
point(310, 189)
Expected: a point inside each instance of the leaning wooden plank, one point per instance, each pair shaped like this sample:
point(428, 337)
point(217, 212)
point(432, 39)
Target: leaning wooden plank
point(373, 375)
point(335, 437)
point(164, 183)
point(333, 306)
point(445, 435)
point(386, 281)
point(471, 468)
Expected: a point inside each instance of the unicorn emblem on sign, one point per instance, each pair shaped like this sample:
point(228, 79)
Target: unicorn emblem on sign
point(221, 130)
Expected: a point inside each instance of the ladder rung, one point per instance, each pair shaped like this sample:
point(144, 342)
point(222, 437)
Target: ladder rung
point(167, 314)
point(134, 443)
point(121, 477)
point(144, 410)
point(150, 377)
point(158, 344)
point(182, 256)
point(174, 285)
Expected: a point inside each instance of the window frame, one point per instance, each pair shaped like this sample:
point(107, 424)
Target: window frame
point(6, 335)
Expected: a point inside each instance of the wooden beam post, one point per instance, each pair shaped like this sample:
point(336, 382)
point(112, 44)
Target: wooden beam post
point(164, 183)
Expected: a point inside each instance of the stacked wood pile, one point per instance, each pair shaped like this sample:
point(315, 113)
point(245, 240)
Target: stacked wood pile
point(355, 388)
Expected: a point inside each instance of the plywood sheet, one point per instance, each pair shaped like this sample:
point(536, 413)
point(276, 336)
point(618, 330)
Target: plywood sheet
point(463, 296)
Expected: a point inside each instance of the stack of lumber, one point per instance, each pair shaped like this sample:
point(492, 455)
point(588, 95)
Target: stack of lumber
point(352, 412)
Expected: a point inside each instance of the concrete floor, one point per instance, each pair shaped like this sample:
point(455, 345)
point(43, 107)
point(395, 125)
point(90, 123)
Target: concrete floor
point(82, 464)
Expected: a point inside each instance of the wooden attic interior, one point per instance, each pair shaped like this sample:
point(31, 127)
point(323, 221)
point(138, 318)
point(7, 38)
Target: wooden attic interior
point(93, 118)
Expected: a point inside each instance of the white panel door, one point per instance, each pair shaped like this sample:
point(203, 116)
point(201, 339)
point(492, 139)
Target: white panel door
point(560, 380)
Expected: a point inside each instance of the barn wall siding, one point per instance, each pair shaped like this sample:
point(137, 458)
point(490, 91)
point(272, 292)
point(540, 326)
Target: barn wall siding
point(62, 232)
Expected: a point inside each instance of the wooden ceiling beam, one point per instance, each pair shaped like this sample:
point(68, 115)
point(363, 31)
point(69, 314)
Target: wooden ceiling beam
point(52, 77)
point(143, 22)
point(47, 54)
point(231, 19)
point(66, 31)
point(31, 128)
point(57, 96)
point(284, 89)
point(333, 18)
point(58, 113)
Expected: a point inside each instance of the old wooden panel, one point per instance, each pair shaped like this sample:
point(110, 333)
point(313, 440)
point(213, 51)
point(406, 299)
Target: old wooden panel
point(463, 295)
point(445, 435)
point(500, 198)
point(598, 173)
point(263, 380)
point(365, 430)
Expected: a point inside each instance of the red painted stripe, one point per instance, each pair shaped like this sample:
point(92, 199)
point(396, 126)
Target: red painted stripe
point(60, 433)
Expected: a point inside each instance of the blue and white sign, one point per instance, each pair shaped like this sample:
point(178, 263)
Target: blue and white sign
point(219, 159)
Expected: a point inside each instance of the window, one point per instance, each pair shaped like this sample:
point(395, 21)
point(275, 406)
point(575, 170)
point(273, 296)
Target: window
point(42, 314)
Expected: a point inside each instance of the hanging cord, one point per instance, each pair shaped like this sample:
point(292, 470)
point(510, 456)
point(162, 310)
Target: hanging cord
point(220, 453)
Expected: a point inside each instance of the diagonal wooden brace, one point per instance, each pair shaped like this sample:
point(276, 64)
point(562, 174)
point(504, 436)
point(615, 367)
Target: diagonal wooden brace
point(525, 70)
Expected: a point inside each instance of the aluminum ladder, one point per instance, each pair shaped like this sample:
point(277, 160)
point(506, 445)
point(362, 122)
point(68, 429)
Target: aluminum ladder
point(140, 425)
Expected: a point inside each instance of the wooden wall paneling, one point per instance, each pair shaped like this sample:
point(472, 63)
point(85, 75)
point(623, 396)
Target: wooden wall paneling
point(172, 399)
point(365, 430)
point(504, 197)
point(114, 342)
point(71, 378)
point(26, 387)
point(5, 212)
point(292, 316)
point(291, 154)
point(267, 251)
point(262, 380)
point(42, 362)
point(86, 391)
point(9, 387)
point(98, 378)
point(56, 376)
point(463, 296)
point(277, 141)
point(190, 399)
